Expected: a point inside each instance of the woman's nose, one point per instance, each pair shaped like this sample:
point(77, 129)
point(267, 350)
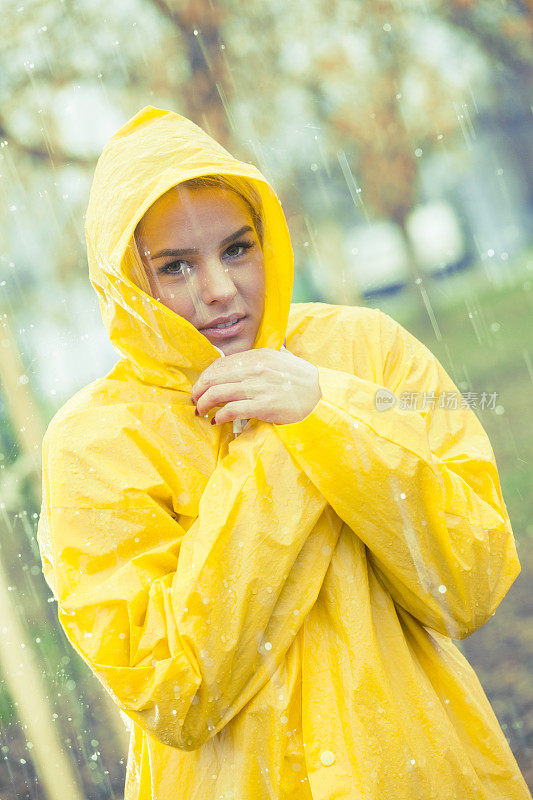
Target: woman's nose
point(216, 284)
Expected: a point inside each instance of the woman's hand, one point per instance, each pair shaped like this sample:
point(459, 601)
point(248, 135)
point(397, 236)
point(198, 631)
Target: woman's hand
point(271, 385)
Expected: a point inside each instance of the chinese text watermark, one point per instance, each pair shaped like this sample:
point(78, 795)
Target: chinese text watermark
point(422, 401)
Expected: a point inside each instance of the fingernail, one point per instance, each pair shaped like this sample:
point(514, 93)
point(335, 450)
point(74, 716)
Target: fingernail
point(213, 422)
point(196, 412)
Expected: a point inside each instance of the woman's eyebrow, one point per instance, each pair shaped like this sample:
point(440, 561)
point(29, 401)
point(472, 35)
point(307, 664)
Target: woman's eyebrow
point(179, 253)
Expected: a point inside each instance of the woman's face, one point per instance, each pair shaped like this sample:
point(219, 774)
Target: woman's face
point(203, 260)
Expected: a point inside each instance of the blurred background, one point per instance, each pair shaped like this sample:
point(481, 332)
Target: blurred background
point(399, 138)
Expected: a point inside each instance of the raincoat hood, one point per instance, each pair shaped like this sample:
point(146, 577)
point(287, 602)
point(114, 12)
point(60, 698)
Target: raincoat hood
point(155, 150)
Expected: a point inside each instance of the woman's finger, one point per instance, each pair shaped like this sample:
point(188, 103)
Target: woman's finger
point(223, 393)
point(238, 367)
point(241, 409)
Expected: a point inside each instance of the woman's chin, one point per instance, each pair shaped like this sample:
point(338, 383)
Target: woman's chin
point(230, 348)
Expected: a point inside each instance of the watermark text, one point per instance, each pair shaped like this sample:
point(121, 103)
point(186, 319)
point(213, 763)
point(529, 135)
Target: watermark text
point(423, 401)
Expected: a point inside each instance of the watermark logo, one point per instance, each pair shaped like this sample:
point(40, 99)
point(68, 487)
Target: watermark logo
point(384, 399)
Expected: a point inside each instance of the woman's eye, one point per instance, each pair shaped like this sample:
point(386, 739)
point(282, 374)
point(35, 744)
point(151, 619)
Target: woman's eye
point(171, 268)
point(243, 246)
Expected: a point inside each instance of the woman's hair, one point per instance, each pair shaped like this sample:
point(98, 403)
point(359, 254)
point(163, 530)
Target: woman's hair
point(239, 186)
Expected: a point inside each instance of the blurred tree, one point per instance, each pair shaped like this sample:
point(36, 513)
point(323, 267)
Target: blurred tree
point(356, 68)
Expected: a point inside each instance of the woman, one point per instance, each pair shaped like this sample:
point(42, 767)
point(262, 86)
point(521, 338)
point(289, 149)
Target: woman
point(272, 611)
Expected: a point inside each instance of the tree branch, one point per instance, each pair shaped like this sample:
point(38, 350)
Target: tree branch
point(167, 12)
point(41, 153)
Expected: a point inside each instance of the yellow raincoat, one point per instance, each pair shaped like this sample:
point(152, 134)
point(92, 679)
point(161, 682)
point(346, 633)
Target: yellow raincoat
point(273, 612)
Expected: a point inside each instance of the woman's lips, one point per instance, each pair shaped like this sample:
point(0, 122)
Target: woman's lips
point(226, 333)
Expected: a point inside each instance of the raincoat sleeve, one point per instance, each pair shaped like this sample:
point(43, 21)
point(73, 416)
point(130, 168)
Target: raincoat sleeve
point(182, 624)
point(419, 487)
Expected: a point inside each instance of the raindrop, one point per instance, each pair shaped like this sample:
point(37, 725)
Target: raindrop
point(327, 758)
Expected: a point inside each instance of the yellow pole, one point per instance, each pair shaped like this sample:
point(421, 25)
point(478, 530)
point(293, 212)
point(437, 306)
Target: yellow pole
point(17, 658)
point(23, 678)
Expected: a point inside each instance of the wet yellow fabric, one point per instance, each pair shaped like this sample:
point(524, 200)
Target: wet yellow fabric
point(273, 612)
